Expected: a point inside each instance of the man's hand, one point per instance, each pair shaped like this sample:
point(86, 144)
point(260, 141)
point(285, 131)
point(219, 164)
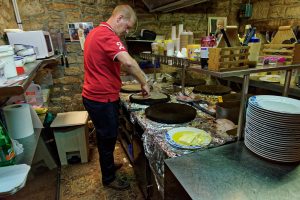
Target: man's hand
point(145, 89)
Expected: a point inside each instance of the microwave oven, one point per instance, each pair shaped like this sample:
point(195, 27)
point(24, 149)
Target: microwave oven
point(40, 40)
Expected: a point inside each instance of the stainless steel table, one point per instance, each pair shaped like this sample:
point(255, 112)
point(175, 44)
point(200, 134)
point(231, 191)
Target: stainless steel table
point(230, 172)
point(246, 74)
point(185, 64)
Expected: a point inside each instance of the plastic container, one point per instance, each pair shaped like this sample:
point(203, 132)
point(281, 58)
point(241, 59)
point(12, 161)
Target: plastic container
point(191, 51)
point(7, 56)
point(154, 47)
point(204, 57)
point(254, 50)
point(34, 95)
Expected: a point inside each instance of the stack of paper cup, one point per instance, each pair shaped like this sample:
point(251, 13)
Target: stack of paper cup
point(173, 35)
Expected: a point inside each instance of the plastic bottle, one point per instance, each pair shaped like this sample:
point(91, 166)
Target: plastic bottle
point(7, 154)
point(254, 50)
point(34, 95)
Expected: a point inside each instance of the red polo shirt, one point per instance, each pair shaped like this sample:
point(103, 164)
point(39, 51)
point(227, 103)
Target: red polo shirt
point(102, 81)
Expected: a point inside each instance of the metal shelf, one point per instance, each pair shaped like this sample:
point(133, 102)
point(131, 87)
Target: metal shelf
point(242, 72)
point(30, 70)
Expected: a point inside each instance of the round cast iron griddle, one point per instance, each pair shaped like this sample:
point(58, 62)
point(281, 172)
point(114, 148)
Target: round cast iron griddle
point(171, 113)
point(149, 101)
point(190, 82)
point(130, 90)
point(212, 89)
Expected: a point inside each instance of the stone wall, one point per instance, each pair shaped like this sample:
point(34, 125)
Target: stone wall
point(7, 18)
point(54, 16)
point(269, 15)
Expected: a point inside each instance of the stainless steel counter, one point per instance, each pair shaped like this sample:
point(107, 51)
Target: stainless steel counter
point(276, 87)
point(231, 172)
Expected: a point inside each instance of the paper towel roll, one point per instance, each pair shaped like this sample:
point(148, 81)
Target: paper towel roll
point(18, 120)
point(173, 36)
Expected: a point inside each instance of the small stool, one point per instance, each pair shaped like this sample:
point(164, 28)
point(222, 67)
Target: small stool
point(71, 135)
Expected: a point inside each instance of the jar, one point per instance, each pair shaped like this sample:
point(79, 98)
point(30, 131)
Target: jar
point(154, 47)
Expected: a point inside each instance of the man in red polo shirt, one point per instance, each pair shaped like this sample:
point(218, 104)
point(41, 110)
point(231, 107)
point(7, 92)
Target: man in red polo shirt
point(104, 53)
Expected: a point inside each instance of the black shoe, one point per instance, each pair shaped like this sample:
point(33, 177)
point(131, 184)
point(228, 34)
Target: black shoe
point(118, 166)
point(118, 184)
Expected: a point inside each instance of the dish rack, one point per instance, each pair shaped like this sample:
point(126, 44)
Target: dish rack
point(228, 58)
point(282, 45)
point(229, 55)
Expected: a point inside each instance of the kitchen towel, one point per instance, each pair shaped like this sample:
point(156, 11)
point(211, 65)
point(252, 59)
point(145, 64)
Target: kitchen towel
point(21, 120)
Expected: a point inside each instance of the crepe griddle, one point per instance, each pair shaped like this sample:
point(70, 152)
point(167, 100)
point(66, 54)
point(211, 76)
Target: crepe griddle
point(190, 82)
point(136, 88)
point(149, 101)
point(212, 89)
point(170, 113)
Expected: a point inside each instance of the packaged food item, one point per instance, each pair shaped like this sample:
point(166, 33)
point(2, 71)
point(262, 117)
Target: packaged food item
point(7, 153)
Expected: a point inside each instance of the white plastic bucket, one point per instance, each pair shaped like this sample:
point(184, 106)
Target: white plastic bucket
point(7, 56)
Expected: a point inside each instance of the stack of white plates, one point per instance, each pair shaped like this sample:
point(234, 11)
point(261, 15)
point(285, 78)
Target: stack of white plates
point(13, 178)
point(272, 127)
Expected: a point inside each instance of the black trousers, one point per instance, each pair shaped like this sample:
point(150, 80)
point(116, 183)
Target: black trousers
point(105, 119)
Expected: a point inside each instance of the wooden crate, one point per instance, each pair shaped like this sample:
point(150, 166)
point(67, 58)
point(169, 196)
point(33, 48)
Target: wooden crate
point(228, 58)
point(277, 48)
point(282, 50)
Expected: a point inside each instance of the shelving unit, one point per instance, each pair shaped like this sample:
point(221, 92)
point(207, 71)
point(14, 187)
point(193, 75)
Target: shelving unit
point(245, 73)
point(31, 71)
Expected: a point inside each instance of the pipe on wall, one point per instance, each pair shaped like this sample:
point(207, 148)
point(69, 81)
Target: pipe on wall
point(17, 14)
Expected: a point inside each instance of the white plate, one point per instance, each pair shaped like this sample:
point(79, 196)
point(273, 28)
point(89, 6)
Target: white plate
point(272, 113)
point(276, 103)
point(270, 122)
point(274, 116)
point(271, 157)
point(13, 178)
point(171, 137)
point(270, 78)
